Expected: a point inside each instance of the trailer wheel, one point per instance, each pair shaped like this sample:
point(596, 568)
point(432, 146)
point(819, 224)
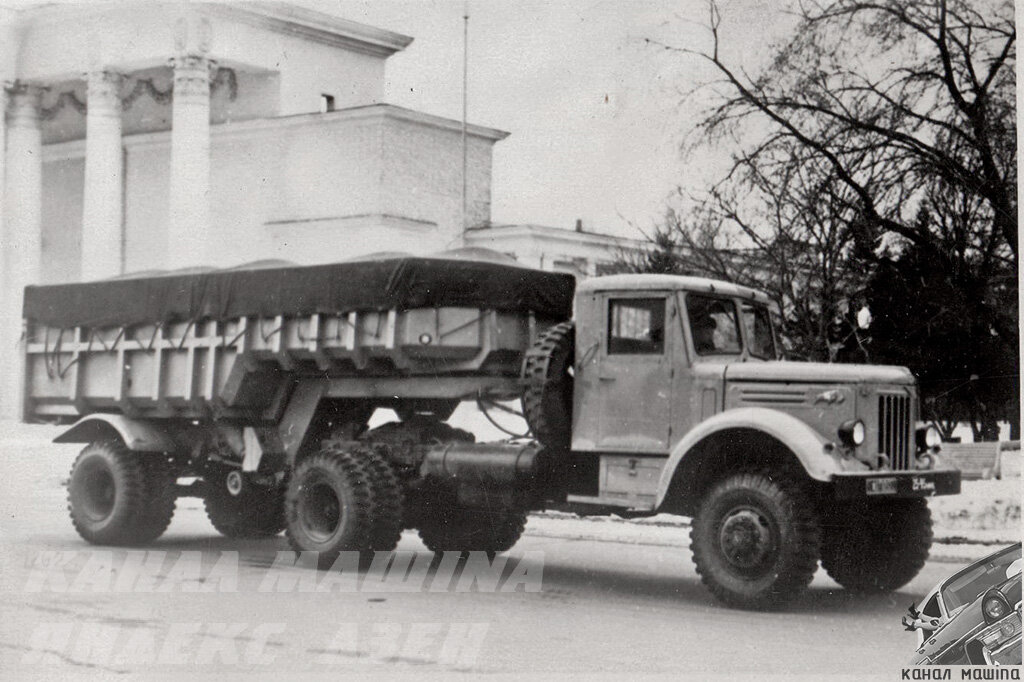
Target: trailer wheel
point(755, 540)
point(547, 398)
point(238, 510)
point(460, 529)
point(109, 496)
point(329, 505)
point(877, 547)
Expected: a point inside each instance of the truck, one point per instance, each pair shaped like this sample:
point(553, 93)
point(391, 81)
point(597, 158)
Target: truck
point(254, 388)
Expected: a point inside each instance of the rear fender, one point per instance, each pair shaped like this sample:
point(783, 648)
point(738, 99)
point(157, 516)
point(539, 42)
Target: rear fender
point(139, 436)
point(804, 442)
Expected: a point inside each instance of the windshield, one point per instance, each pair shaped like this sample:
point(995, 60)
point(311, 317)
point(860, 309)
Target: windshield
point(757, 323)
point(965, 587)
point(713, 324)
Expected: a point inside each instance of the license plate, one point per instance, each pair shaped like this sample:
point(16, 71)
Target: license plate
point(881, 486)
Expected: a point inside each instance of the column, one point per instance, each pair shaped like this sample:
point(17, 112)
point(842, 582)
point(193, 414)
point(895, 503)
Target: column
point(10, 367)
point(103, 201)
point(22, 237)
point(189, 215)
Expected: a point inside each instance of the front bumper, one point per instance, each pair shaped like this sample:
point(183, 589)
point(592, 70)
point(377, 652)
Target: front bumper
point(895, 484)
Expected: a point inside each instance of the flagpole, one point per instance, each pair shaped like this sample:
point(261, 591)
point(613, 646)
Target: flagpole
point(465, 81)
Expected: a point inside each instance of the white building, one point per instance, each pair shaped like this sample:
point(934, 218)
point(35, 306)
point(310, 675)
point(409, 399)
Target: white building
point(151, 136)
point(578, 251)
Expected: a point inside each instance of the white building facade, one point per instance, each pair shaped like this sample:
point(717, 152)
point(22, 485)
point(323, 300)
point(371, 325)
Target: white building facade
point(157, 136)
point(153, 136)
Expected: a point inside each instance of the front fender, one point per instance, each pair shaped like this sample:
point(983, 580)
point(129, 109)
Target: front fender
point(137, 435)
point(806, 443)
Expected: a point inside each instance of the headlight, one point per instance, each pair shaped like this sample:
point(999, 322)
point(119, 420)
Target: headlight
point(852, 432)
point(928, 437)
point(995, 607)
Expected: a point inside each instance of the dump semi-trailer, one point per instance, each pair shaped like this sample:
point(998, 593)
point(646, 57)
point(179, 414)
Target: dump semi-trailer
point(662, 394)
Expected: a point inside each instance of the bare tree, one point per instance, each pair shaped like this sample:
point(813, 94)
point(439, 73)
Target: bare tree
point(893, 95)
point(871, 116)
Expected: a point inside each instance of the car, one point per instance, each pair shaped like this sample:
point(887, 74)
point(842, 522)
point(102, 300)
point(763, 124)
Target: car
point(974, 616)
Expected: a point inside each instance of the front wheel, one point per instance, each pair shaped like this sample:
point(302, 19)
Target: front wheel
point(877, 546)
point(755, 540)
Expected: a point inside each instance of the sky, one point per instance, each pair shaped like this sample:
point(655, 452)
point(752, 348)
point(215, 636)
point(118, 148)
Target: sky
point(595, 112)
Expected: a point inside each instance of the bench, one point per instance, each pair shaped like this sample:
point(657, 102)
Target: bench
point(978, 461)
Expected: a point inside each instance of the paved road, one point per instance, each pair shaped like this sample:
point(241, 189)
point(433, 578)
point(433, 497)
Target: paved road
point(561, 605)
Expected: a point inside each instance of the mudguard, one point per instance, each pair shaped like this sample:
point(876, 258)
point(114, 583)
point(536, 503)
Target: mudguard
point(139, 436)
point(806, 443)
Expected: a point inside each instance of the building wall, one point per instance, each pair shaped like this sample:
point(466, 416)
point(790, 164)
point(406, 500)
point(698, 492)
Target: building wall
point(309, 189)
point(310, 69)
point(147, 191)
point(563, 250)
point(424, 175)
point(63, 181)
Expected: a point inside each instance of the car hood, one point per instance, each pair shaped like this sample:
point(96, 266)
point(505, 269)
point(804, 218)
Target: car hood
point(818, 372)
point(965, 623)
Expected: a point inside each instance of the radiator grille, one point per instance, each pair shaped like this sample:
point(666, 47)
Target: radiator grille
point(894, 429)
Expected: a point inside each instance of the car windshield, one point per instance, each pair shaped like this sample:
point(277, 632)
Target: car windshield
point(968, 585)
point(713, 324)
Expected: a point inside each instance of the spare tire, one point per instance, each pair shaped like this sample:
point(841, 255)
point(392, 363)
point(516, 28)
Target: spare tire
point(547, 398)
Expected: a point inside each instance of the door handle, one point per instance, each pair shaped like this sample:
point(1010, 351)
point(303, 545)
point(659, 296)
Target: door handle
point(606, 377)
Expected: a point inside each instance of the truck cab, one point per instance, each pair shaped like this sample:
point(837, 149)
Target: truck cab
point(664, 363)
point(651, 356)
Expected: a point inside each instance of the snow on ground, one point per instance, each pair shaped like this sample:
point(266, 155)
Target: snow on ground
point(982, 505)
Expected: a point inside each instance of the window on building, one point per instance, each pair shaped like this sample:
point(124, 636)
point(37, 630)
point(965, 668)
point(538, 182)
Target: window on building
point(326, 103)
point(636, 326)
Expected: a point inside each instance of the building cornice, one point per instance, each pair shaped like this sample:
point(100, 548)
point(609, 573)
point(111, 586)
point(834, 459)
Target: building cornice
point(311, 25)
point(244, 129)
point(413, 116)
point(547, 233)
point(279, 17)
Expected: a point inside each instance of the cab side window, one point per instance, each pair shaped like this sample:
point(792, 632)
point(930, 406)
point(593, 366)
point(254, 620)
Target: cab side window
point(636, 326)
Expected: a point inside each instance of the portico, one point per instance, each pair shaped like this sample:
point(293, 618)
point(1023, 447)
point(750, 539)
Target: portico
point(159, 136)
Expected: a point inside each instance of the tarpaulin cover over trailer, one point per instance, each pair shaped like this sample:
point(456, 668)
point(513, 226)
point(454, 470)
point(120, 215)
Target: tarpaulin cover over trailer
point(401, 283)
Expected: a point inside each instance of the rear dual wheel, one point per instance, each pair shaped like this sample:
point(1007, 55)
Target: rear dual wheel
point(343, 499)
point(463, 529)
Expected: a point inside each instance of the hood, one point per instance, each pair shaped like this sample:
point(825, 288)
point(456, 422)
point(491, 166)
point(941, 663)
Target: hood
point(782, 371)
point(966, 623)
